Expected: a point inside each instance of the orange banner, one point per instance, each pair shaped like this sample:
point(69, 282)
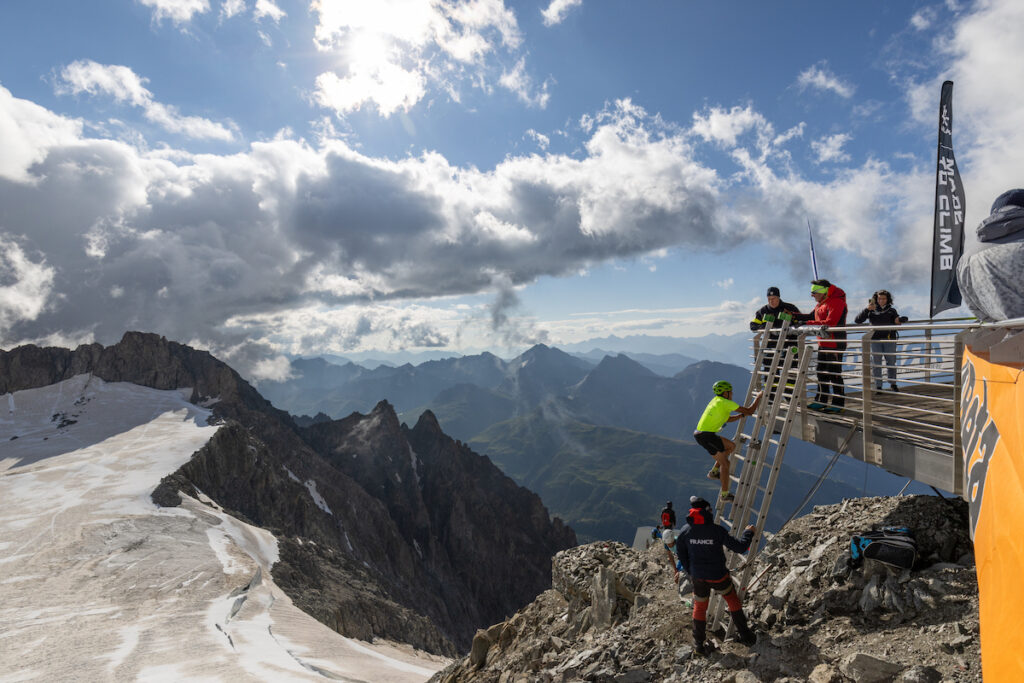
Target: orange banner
point(992, 434)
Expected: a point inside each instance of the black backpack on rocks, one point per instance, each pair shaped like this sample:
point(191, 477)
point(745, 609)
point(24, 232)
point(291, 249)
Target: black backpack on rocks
point(893, 546)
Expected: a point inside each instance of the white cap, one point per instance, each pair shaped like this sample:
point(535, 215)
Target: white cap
point(668, 536)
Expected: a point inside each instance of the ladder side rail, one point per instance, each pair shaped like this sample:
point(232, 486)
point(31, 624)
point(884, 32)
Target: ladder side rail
point(761, 338)
point(716, 607)
point(773, 480)
point(752, 555)
point(780, 453)
point(761, 343)
point(751, 450)
point(745, 500)
point(746, 491)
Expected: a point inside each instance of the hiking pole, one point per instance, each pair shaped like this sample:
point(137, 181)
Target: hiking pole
point(746, 589)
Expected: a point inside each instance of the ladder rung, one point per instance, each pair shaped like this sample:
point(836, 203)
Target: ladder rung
point(760, 487)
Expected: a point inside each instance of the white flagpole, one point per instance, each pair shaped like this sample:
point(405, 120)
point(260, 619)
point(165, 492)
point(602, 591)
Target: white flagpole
point(814, 261)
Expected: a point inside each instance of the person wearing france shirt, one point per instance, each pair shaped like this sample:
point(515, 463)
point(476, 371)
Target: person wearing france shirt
point(699, 547)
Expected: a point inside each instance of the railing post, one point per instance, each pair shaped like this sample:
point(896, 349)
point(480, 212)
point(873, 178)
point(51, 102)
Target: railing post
point(959, 466)
point(928, 354)
point(867, 387)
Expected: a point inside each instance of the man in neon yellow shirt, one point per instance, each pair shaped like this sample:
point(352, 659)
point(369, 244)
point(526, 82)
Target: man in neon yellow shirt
point(720, 411)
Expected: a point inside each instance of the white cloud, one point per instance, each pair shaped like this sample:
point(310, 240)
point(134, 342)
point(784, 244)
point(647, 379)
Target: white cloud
point(981, 57)
point(726, 317)
point(923, 18)
point(557, 11)
point(821, 78)
point(193, 241)
point(725, 127)
point(25, 284)
point(520, 83)
point(125, 86)
point(27, 132)
point(543, 141)
point(275, 369)
point(314, 329)
point(178, 11)
point(390, 88)
point(394, 52)
point(267, 8)
point(231, 8)
point(726, 283)
point(294, 244)
point(830, 148)
point(796, 131)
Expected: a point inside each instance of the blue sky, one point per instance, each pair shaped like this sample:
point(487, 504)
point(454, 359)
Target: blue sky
point(266, 177)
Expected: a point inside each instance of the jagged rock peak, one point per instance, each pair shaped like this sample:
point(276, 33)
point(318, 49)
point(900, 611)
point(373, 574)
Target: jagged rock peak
point(621, 364)
point(427, 424)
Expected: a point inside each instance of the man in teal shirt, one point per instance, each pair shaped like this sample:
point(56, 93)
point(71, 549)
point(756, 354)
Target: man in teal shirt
point(718, 412)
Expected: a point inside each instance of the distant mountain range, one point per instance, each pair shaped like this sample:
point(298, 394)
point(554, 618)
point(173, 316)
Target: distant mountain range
point(605, 442)
point(725, 348)
point(665, 355)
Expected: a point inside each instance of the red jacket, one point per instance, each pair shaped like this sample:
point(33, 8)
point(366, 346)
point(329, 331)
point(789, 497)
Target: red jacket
point(831, 312)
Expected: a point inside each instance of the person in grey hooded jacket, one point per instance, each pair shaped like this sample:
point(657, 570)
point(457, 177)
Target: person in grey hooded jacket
point(989, 273)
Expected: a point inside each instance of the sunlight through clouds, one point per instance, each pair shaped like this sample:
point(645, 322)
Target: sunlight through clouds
point(391, 52)
point(326, 224)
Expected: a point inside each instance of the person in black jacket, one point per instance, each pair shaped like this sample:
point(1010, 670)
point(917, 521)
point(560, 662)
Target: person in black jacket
point(883, 342)
point(775, 308)
point(699, 549)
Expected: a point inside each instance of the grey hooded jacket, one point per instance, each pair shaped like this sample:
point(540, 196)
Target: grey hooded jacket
point(991, 273)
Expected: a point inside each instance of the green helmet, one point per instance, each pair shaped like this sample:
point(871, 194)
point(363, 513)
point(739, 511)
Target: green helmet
point(721, 387)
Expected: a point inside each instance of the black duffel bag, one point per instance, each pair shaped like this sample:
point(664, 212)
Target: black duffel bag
point(893, 546)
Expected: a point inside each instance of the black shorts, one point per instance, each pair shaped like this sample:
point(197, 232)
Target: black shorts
point(702, 587)
point(710, 441)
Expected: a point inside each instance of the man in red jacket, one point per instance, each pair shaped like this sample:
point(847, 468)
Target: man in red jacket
point(830, 312)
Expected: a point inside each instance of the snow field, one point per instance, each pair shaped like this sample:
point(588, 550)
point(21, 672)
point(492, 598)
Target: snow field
point(98, 583)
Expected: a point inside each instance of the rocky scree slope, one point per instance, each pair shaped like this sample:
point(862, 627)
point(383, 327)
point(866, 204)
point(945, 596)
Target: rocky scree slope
point(365, 560)
point(615, 614)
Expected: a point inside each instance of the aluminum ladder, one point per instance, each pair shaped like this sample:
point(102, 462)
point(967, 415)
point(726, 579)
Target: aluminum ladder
point(757, 460)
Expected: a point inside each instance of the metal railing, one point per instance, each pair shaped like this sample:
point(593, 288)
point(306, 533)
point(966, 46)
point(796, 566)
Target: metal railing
point(905, 388)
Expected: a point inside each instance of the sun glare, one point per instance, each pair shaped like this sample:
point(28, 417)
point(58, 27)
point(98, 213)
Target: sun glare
point(370, 52)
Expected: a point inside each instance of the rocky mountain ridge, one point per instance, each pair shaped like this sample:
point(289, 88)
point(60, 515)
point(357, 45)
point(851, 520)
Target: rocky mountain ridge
point(367, 558)
point(614, 614)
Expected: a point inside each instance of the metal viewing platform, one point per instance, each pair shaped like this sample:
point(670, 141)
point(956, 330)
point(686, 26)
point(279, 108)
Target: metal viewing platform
point(912, 430)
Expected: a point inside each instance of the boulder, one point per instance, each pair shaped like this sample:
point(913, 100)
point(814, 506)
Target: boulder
point(920, 674)
point(865, 668)
point(823, 673)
